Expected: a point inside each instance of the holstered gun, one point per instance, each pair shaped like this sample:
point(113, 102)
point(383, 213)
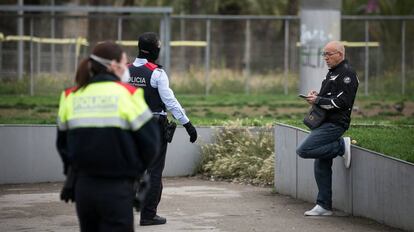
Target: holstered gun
point(170, 130)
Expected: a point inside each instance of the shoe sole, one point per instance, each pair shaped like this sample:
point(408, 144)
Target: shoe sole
point(324, 214)
point(151, 224)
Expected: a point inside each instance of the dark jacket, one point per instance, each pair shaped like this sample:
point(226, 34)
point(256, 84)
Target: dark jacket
point(337, 94)
point(94, 144)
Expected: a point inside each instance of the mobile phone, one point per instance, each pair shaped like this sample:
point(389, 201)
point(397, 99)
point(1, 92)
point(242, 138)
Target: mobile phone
point(303, 96)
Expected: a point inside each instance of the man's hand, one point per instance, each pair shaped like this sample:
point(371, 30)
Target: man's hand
point(313, 92)
point(68, 191)
point(191, 130)
point(311, 98)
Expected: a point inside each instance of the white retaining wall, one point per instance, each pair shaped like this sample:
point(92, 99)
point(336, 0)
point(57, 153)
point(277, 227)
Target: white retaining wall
point(375, 186)
point(28, 153)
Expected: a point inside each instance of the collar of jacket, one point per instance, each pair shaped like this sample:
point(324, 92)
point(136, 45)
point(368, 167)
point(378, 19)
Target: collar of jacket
point(104, 77)
point(141, 61)
point(341, 64)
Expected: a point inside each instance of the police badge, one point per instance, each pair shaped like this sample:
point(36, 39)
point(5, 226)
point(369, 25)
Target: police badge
point(347, 80)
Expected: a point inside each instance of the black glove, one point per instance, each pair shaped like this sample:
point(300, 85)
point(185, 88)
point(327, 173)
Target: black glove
point(68, 191)
point(191, 130)
point(142, 186)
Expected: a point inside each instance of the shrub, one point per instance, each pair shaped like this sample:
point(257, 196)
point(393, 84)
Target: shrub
point(240, 154)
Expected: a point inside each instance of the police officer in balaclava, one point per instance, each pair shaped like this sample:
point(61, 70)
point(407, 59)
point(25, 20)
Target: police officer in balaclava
point(145, 73)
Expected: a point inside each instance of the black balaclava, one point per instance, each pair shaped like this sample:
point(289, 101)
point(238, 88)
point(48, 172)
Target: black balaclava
point(149, 46)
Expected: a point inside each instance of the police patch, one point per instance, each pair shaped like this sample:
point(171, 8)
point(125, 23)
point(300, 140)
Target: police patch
point(347, 80)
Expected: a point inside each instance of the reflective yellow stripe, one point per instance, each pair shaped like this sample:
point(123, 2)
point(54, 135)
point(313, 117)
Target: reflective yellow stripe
point(141, 119)
point(61, 125)
point(98, 123)
point(108, 122)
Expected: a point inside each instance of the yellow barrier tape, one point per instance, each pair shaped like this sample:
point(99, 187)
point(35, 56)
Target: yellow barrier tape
point(134, 43)
point(128, 43)
point(361, 44)
point(354, 44)
point(188, 43)
point(82, 41)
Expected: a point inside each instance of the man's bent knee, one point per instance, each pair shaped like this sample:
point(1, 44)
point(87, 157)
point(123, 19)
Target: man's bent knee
point(301, 152)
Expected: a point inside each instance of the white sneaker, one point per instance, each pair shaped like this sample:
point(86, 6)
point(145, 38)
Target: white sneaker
point(318, 211)
point(347, 154)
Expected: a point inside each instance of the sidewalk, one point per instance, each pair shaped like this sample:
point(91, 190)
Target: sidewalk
point(189, 204)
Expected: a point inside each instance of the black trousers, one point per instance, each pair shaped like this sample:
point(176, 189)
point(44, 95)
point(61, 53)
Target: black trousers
point(155, 170)
point(104, 204)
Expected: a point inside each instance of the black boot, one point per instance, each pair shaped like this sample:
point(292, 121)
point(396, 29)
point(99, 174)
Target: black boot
point(157, 220)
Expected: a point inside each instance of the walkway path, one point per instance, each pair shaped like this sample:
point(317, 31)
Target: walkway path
point(190, 204)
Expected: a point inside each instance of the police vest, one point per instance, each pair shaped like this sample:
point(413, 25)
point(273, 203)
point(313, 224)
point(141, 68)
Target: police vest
point(103, 104)
point(141, 77)
point(100, 120)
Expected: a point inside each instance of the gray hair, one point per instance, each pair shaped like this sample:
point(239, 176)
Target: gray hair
point(338, 46)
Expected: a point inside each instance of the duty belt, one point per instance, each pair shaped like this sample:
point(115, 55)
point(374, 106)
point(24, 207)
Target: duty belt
point(158, 115)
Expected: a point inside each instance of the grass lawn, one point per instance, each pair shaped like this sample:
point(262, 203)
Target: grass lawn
point(382, 124)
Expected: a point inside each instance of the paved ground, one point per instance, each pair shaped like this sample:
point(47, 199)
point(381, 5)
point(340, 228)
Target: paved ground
point(190, 204)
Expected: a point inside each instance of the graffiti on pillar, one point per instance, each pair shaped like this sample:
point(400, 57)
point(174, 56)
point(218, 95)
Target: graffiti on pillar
point(312, 42)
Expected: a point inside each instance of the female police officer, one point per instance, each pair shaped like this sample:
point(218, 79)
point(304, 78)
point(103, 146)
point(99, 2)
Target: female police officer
point(106, 134)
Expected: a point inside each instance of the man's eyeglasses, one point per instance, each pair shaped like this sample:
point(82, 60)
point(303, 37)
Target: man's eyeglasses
point(328, 53)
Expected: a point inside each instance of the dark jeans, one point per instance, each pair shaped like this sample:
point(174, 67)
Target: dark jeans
point(153, 197)
point(104, 204)
point(323, 144)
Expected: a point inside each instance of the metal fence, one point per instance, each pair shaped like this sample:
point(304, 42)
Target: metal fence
point(206, 52)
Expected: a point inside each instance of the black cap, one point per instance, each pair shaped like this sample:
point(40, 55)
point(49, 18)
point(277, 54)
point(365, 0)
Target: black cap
point(149, 46)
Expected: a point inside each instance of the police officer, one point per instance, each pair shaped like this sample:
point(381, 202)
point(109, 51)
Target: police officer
point(107, 135)
point(145, 73)
point(336, 96)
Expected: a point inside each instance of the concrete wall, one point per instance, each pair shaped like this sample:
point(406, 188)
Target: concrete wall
point(28, 154)
point(320, 22)
point(376, 186)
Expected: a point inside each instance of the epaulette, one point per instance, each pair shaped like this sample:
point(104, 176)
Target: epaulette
point(151, 66)
point(127, 86)
point(70, 90)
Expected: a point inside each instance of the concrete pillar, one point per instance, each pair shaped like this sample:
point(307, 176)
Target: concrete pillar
point(20, 44)
point(320, 22)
